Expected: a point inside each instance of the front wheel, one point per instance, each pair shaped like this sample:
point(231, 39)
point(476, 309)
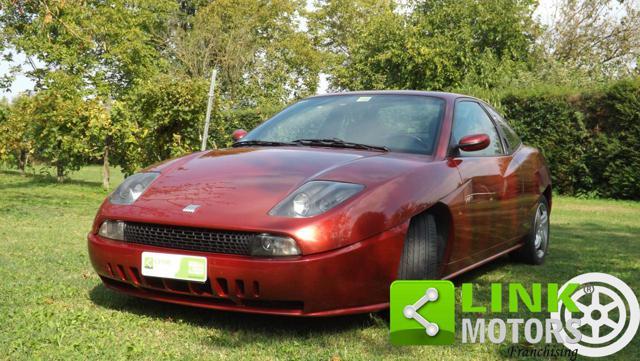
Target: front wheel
point(423, 248)
point(536, 243)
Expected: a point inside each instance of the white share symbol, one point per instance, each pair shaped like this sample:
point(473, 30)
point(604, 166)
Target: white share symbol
point(411, 311)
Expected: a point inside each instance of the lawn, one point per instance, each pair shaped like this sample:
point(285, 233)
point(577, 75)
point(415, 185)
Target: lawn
point(53, 306)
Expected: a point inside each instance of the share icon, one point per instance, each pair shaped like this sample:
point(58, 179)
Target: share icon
point(411, 311)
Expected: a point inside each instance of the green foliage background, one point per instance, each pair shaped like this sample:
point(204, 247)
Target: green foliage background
point(589, 138)
point(125, 83)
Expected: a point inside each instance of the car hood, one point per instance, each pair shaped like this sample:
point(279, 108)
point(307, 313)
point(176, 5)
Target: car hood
point(234, 189)
point(242, 181)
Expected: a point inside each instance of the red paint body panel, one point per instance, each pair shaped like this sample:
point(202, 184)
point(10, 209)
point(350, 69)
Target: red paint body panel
point(303, 285)
point(351, 253)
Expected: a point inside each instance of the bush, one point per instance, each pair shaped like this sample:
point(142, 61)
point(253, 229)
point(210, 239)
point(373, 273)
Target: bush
point(553, 125)
point(614, 121)
point(588, 138)
point(164, 117)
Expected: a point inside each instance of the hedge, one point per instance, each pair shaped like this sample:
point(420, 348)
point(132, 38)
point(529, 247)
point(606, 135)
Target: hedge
point(588, 138)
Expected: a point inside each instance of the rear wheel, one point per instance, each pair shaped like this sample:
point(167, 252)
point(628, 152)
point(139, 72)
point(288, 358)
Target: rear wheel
point(423, 248)
point(536, 243)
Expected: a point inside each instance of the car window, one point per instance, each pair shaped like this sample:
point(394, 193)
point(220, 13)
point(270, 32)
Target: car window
point(402, 123)
point(510, 136)
point(469, 118)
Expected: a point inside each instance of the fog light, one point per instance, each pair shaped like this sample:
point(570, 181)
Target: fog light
point(266, 245)
point(112, 230)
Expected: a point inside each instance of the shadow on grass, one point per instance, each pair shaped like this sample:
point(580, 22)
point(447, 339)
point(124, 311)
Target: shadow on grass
point(240, 328)
point(246, 327)
point(36, 180)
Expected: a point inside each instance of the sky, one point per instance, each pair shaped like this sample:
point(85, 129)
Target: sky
point(22, 83)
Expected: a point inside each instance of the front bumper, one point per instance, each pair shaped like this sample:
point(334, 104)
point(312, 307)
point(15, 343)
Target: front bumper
point(353, 279)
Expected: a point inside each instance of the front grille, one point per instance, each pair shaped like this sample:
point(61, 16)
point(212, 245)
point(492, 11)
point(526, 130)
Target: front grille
point(193, 239)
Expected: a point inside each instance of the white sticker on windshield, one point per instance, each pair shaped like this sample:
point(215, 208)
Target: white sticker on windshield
point(363, 99)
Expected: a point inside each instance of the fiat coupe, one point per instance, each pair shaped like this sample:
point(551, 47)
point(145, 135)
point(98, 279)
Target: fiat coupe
point(319, 209)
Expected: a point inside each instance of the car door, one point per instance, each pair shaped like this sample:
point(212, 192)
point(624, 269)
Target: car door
point(521, 192)
point(490, 217)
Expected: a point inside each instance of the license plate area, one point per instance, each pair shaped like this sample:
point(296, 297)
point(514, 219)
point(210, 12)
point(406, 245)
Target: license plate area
point(174, 266)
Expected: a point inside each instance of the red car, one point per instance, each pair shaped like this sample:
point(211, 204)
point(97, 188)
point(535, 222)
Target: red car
point(316, 211)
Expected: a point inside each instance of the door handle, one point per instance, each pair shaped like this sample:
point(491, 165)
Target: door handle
point(490, 196)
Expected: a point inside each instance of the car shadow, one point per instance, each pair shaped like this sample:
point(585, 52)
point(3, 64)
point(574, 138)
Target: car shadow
point(268, 325)
point(272, 326)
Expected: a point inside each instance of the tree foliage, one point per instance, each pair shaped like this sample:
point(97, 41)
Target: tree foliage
point(16, 143)
point(262, 55)
point(126, 82)
point(106, 45)
point(600, 37)
point(435, 45)
point(94, 48)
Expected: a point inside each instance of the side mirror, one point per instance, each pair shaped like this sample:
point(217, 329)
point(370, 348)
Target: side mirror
point(238, 134)
point(475, 142)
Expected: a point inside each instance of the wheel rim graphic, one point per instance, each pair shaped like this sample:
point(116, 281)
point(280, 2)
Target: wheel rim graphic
point(596, 323)
point(599, 345)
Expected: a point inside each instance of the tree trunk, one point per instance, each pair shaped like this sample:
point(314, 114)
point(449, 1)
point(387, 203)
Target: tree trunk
point(60, 172)
point(22, 161)
point(105, 168)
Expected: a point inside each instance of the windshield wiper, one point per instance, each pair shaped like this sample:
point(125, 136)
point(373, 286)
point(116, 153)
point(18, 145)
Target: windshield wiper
point(339, 143)
point(267, 143)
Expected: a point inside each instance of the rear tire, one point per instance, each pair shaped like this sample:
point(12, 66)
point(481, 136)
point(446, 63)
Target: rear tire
point(536, 243)
point(423, 249)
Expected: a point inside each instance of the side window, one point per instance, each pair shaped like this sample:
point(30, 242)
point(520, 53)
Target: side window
point(469, 118)
point(512, 139)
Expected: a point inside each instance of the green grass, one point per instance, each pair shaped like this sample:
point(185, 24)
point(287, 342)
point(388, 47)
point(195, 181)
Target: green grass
point(53, 306)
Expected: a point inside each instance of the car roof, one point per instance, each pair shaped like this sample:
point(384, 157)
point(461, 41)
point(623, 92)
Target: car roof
point(444, 95)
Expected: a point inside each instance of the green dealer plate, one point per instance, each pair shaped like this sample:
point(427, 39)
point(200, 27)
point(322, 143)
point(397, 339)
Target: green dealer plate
point(174, 266)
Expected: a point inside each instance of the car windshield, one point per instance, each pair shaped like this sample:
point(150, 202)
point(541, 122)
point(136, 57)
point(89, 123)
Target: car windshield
point(401, 123)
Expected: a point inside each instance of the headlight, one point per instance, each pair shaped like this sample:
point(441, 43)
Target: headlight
point(266, 245)
point(132, 188)
point(315, 197)
point(112, 230)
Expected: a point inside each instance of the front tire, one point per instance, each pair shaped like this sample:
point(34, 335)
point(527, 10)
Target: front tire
point(536, 243)
point(422, 250)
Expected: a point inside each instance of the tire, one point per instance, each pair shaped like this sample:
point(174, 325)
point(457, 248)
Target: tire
point(536, 243)
point(422, 250)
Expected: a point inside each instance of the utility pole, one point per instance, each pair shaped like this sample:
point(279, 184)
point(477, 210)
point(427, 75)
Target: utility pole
point(212, 87)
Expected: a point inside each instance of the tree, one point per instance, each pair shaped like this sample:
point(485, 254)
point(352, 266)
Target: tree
point(261, 54)
point(362, 40)
point(435, 45)
point(59, 118)
point(15, 131)
point(600, 37)
point(160, 119)
point(105, 46)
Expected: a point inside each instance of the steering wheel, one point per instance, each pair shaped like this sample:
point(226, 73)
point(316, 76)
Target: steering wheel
point(408, 141)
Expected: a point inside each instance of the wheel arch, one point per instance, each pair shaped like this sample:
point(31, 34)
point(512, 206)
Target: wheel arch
point(548, 195)
point(444, 228)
